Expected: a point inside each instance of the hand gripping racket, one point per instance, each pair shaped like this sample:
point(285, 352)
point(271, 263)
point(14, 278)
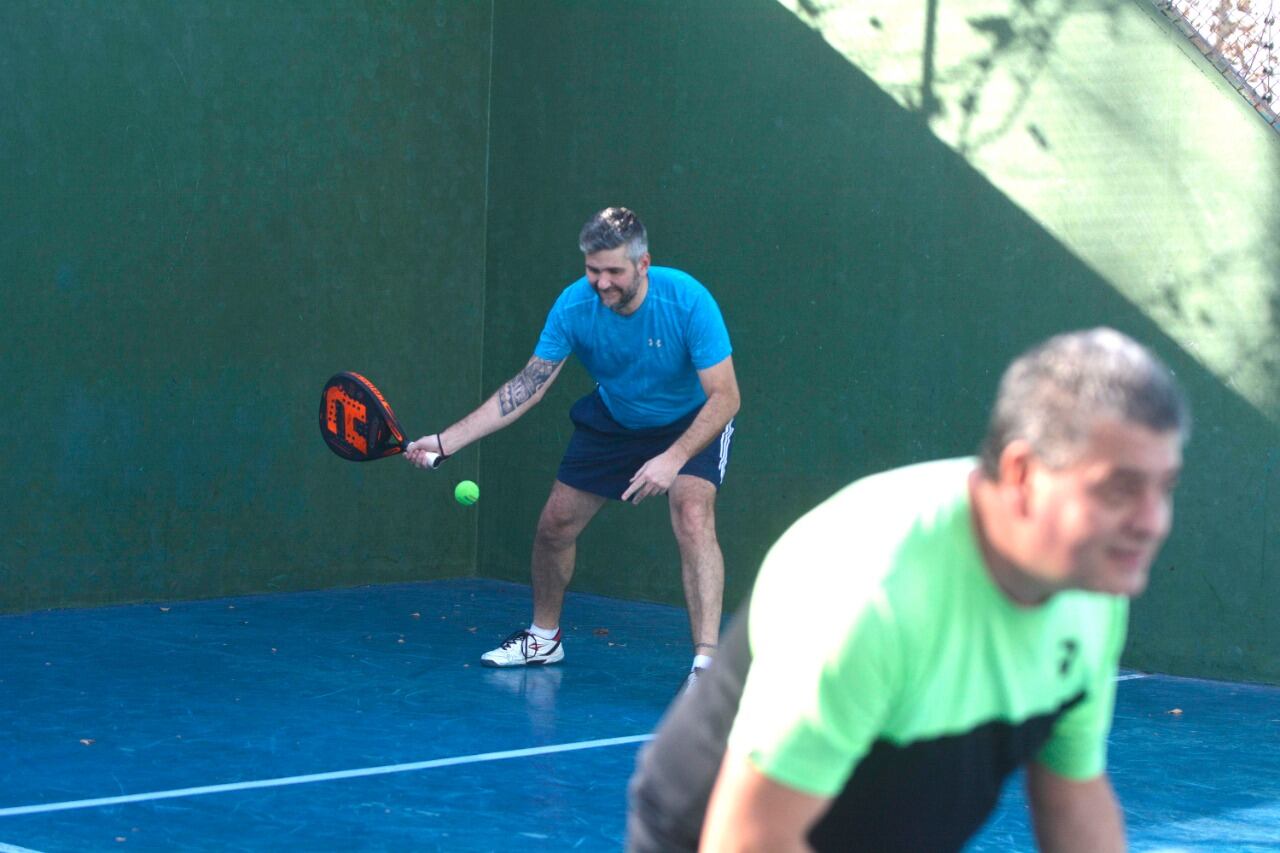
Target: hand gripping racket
point(357, 423)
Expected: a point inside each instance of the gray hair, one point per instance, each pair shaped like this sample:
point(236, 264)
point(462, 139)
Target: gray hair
point(1052, 396)
point(611, 228)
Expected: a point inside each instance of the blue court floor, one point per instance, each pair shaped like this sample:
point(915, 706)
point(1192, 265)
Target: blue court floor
point(360, 719)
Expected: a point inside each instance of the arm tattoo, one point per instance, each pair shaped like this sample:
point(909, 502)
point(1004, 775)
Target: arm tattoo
point(526, 383)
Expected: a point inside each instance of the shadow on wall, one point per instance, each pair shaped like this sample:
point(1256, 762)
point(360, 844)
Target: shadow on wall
point(1108, 128)
point(875, 284)
point(1019, 42)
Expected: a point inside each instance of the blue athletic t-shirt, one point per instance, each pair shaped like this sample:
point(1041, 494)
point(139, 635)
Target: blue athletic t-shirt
point(646, 363)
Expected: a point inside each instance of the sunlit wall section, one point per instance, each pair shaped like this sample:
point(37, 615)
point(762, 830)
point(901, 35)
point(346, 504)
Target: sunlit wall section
point(1087, 116)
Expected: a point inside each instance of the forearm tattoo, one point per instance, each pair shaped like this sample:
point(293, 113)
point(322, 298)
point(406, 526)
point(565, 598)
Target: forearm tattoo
point(521, 389)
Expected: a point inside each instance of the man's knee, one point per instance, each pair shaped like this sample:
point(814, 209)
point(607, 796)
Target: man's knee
point(564, 516)
point(693, 515)
point(556, 527)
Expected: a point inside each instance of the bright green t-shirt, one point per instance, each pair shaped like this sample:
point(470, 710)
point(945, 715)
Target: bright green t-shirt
point(876, 630)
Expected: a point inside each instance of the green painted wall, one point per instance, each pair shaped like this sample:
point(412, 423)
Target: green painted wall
point(207, 208)
point(879, 260)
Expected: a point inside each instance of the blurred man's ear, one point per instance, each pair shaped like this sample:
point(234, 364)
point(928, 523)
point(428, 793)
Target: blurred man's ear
point(1016, 461)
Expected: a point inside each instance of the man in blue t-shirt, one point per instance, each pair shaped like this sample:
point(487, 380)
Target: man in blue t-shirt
point(660, 421)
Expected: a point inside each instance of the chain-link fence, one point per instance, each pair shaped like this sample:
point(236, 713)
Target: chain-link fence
point(1239, 36)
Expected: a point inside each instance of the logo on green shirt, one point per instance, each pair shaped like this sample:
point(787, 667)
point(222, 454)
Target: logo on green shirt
point(1069, 650)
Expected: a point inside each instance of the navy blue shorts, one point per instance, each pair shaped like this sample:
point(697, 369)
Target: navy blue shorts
point(603, 455)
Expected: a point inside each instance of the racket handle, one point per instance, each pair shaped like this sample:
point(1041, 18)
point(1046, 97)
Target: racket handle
point(433, 459)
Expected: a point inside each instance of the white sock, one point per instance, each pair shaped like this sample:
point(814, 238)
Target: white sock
point(701, 661)
point(544, 633)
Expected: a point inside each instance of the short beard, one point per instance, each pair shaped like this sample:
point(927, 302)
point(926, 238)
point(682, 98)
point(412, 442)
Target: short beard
point(626, 298)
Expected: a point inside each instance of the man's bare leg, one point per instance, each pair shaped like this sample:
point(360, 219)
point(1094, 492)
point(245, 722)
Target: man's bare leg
point(555, 546)
point(693, 519)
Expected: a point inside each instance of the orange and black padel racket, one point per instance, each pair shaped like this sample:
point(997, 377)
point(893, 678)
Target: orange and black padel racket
point(357, 422)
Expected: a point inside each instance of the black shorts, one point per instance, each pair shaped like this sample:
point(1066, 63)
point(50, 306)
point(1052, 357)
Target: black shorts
point(603, 455)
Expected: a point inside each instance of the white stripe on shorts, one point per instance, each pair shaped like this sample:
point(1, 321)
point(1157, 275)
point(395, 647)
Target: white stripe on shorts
point(725, 435)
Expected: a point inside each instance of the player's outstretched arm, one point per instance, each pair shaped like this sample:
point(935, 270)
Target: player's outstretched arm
point(518, 395)
point(655, 477)
point(1072, 816)
point(750, 811)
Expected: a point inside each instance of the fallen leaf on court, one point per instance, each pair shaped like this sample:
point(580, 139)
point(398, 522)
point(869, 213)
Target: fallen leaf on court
point(401, 640)
point(472, 629)
point(416, 615)
point(1176, 711)
point(164, 609)
point(88, 741)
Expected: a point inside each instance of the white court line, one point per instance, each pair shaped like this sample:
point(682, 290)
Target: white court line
point(320, 777)
point(10, 848)
point(336, 774)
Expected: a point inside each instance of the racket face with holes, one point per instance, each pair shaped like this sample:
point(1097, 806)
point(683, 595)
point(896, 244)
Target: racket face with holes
point(356, 421)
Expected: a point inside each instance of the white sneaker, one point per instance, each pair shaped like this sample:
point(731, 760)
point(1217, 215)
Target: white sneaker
point(525, 649)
